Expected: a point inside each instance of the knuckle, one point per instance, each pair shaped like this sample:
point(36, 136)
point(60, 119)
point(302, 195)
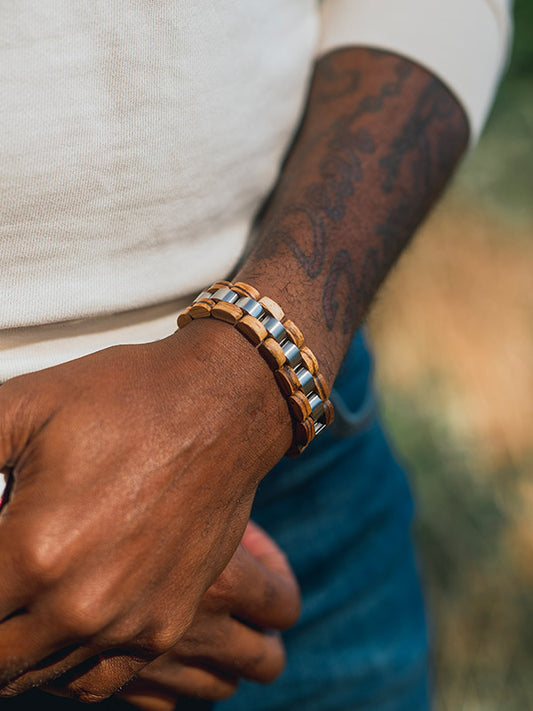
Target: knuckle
point(80, 617)
point(159, 642)
point(121, 632)
point(40, 560)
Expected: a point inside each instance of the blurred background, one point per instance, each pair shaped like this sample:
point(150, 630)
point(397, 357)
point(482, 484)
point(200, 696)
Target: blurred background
point(453, 331)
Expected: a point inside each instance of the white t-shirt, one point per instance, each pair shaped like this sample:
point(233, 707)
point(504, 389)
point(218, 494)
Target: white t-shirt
point(138, 139)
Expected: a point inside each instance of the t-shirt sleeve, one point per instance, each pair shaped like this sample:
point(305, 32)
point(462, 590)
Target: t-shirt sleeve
point(463, 42)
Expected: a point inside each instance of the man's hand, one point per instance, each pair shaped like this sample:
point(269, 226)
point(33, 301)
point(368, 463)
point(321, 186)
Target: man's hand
point(134, 470)
point(231, 636)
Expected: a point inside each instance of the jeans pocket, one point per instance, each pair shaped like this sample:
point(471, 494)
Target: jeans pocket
point(350, 421)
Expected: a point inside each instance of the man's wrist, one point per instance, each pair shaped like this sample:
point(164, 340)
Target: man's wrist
point(279, 341)
point(231, 382)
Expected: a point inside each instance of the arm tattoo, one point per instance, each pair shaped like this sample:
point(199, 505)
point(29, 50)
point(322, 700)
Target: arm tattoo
point(428, 163)
point(339, 169)
point(432, 105)
point(342, 266)
point(385, 156)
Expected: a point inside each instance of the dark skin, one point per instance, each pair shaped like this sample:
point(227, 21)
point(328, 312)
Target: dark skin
point(210, 665)
point(176, 435)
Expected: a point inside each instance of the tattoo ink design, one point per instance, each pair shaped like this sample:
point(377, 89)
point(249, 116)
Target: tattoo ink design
point(431, 106)
point(432, 160)
point(416, 163)
point(342, 266)
point(340, 169)
point(348, 80)
point(306, 222)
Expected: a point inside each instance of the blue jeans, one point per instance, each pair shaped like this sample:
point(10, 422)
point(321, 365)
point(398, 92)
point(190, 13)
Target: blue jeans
point(342, 512)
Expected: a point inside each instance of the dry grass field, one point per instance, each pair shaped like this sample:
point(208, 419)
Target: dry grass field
point(459, 312)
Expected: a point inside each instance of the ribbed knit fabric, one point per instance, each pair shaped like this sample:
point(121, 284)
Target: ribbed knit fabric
point(140, 137)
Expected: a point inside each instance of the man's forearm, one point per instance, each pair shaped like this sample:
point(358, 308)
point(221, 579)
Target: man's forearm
point(379, 140)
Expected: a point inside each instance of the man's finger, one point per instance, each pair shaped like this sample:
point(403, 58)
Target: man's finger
point(149, 697)
point(23, 571)
point(49, 670)
point(263, 591)
point(26, 562)
point(26, 642)
point(195, 682)
point(244, 653)
point(97, 678)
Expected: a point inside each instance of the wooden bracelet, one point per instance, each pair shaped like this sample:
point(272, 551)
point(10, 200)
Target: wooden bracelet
point(280, 342)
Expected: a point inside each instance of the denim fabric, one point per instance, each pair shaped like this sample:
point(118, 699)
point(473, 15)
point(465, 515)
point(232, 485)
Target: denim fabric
point(342, 512)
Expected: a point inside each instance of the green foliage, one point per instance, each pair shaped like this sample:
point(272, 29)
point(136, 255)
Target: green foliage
point(522, 55)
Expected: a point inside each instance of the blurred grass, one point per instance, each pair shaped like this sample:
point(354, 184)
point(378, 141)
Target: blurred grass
point(453, 331)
